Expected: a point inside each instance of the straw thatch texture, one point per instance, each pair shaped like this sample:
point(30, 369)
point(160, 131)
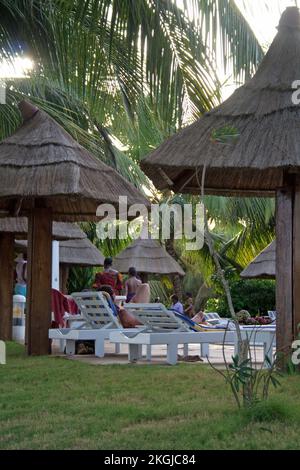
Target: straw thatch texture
point(147, 256)
point(80, 252)
point(263, 266)
point(73, 252)
point(60, 230)
point(41, 160)
point(266, 123)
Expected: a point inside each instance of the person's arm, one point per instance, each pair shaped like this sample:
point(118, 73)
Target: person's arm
point(25, 273)
point(119, 283)
point(188, 310)
point(97, 280)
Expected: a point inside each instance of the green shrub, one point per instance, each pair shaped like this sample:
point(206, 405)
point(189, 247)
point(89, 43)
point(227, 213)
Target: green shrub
point(256, 296)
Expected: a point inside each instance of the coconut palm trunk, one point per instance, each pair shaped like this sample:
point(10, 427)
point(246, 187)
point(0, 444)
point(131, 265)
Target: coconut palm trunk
point(176, 279)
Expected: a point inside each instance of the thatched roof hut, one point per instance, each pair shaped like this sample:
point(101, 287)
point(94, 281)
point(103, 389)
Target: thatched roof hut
point(42, 160)
point(250, 145)
point(147, 256)
point(60, 230)
point(263, 266)
point(264, 120)
point(80, 252)
point(46, 175)
point(77, 253)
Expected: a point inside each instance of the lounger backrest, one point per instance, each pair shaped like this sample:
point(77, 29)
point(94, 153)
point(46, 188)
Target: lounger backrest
point(157, 317)
point(95, 309)
point(272, 315)
point(212, 316)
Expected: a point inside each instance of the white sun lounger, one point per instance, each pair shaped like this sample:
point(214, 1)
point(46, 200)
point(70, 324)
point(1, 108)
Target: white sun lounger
point(164, 327)
point(95, 322)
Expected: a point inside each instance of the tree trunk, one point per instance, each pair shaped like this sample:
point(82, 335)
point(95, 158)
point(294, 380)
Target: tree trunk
point(176, 279)
point(177, 285)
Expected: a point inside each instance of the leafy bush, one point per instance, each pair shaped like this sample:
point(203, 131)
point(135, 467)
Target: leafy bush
point(256, 296)
point(80, 278)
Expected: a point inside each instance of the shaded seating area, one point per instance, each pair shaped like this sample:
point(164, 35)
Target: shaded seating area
point(47, 176)
point(95, 323)
point(165, 327)
point(247, 146)
point(12, 228)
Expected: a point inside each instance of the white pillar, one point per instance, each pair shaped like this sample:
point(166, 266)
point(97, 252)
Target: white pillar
point(55, 265)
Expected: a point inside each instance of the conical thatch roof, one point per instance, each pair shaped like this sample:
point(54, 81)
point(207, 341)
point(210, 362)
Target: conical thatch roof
point(60, 230)
point(264, 265)
point(73, 252)
point(41, 160)
point(80, 252)
point(147, 256)
point(262, 115)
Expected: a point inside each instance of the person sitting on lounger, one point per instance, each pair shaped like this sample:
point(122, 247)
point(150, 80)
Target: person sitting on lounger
point(110, 297)
point(200, 318)
point(189, 307)
point(126, 319)
point(176, 305)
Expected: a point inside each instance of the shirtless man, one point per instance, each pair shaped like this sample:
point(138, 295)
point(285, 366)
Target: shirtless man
point(131, 284)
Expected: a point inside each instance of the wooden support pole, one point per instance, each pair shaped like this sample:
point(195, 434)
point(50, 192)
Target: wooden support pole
point(296, 263)
point(6, 285)
point(284, 271)
point(39, 281)
point(287, 268)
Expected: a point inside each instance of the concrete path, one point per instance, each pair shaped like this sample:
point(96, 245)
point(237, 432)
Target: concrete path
point(159, 354)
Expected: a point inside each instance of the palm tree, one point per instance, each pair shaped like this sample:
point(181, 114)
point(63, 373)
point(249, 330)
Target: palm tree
point(122, 75)
point(95, 59)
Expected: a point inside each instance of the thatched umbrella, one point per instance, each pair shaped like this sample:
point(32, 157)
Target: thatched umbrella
point(17, 227)
point(60, 230)
point(263, 266)
point(81, 253)
point(147, 257)
point(251, 145)
point(46, 175)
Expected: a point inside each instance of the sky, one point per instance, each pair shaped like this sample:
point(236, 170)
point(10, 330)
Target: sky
point(263, 16)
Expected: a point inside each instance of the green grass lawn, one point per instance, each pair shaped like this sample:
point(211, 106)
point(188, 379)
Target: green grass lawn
point(54, 403)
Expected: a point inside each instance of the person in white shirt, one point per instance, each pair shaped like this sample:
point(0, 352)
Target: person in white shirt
point(176, 305)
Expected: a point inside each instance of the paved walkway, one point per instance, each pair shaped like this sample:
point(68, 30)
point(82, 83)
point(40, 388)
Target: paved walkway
point(159, 354)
